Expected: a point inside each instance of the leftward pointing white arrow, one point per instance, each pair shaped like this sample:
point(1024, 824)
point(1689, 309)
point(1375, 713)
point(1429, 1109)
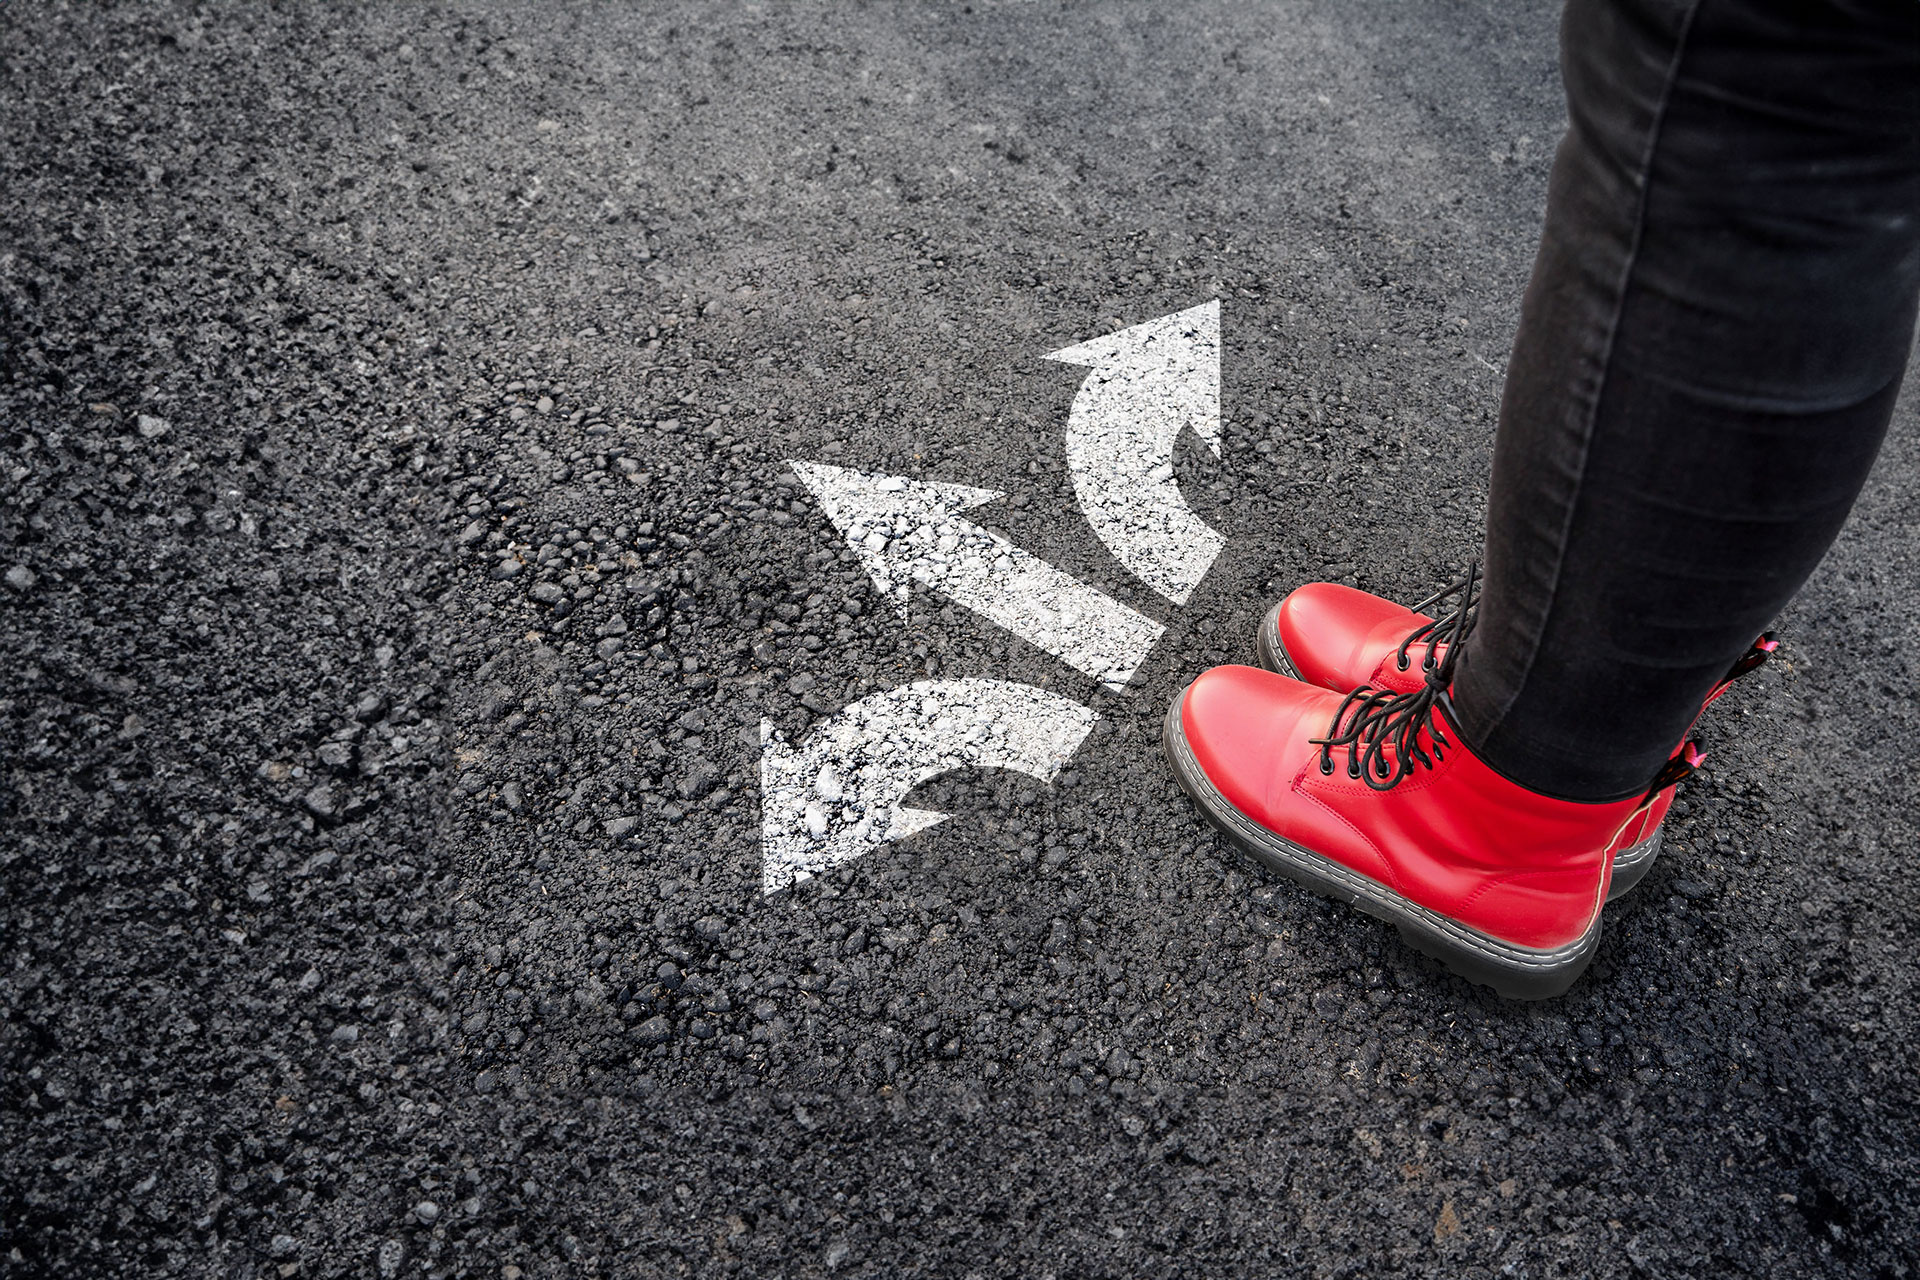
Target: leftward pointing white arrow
point(907, 530)
point(837, 795)
point(1149, 383)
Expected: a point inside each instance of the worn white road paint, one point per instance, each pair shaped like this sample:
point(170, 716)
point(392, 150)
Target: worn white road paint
point(1149, 383)
point(837, 794)
point(908, 530)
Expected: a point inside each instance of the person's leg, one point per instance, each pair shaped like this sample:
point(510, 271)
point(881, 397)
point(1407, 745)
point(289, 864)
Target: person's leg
point(1712, 341)
point(1709, 352)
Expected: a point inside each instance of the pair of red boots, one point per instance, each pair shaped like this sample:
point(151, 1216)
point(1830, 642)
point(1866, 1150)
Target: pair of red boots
point(1340, 766)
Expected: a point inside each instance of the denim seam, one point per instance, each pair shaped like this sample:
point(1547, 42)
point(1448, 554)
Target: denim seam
point(1644, 172)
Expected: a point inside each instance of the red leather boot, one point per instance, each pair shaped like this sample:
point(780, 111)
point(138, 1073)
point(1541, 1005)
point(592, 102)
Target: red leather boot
point(1341, 638)
point(1374, 798)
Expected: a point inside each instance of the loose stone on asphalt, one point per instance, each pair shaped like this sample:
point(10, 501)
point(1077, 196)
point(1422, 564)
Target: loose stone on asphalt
point(450, 399)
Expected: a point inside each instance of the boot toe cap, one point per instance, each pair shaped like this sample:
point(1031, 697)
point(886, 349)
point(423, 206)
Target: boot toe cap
point(1245, 728)
point(1330, 631)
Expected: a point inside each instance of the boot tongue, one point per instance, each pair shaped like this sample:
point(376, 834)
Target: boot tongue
point(1385, 732)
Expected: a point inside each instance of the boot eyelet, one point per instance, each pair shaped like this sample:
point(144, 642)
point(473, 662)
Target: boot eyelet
point(1353, 771)
point(1401, 662)
point(1326, 765)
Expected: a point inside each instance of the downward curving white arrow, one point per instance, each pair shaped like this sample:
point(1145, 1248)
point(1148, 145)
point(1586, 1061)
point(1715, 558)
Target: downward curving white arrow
point(1149, 383)
point(837, 795)
point(907, 530)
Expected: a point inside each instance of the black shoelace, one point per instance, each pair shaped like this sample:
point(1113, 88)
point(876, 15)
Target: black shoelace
point(1467, 588)
point(1381, 729)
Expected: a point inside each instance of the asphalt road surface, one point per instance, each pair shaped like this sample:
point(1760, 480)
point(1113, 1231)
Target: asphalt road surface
point(402, 549)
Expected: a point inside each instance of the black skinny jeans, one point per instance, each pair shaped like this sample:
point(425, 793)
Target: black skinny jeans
point(1708, 355)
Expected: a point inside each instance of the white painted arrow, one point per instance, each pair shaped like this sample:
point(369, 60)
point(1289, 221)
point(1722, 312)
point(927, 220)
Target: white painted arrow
point(1149, 383)
point(907, 530)
point(837, 795)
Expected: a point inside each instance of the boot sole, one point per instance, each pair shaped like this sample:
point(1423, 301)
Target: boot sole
point(1630, 865)
point(1513, 971)
point(1272, 649)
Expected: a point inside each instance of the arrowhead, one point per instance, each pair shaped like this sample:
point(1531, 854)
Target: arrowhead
point(779, 865)
point(837, 795)
point(1175, 350)
point(1196, 328)
point(870, 510)
point(776, 757)
point(907, 821)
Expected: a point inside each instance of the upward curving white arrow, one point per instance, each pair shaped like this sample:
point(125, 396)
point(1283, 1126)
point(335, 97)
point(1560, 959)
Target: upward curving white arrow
point(837, 795)
point(1149, 383)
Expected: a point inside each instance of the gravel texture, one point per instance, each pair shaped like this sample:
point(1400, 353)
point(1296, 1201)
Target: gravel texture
point(398, 554)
